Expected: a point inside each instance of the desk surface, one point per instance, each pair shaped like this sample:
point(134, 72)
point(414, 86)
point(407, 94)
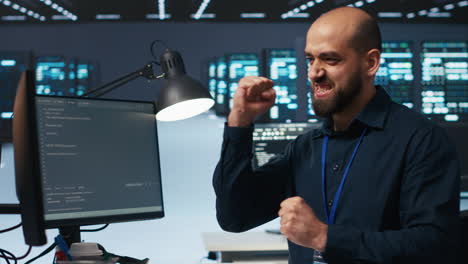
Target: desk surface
point(247, 241)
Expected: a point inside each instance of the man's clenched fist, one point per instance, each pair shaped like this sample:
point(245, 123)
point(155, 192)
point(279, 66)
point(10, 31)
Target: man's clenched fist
point(253, 97)
point(300, 224)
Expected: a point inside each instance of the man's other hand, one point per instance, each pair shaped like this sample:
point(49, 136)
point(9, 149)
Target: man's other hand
point(300, 224)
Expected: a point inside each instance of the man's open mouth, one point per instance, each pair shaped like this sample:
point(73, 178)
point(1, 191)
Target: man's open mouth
point(322, 90)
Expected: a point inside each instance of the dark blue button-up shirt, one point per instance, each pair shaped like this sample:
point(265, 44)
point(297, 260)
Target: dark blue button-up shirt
point(400, 201)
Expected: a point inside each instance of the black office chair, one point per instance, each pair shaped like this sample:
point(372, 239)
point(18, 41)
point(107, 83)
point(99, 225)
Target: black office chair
point(464, 234)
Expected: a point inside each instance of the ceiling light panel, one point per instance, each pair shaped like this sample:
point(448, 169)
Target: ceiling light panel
point(20, 9)
point(60, 9)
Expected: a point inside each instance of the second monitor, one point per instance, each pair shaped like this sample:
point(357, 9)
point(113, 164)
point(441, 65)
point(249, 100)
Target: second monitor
point(99, 160)
point(91, 161)
point(270, 139)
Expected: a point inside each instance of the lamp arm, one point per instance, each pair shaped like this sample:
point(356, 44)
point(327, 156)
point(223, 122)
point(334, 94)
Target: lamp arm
point(146, 71)
point(10, 209)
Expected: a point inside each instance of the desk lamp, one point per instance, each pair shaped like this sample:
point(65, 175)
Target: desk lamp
point(181, 96)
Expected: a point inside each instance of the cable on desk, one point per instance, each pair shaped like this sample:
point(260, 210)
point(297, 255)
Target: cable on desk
point(211, 256)
point(95, 230)
point(47, 250)
point(25, 254)
point(10, 256)
point(10, 228)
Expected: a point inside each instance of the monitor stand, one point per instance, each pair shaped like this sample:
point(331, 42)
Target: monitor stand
point(8, 208)
point(71, 234)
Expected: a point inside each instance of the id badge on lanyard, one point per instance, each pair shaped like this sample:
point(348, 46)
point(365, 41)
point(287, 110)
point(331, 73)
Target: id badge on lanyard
point(330, 216)
point(318, 259)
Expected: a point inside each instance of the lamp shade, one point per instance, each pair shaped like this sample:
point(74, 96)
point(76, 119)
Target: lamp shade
point(181, 96)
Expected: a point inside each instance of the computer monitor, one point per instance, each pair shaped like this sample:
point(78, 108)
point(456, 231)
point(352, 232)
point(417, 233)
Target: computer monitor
point(97, 160)
point(445, 81)
point(280, 65)
point(270, 139)
point(395, 73)
point(239, 65)
point(12, 64)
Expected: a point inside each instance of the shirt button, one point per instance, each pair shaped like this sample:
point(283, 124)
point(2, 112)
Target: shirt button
point(330, 203)
point(336, 167)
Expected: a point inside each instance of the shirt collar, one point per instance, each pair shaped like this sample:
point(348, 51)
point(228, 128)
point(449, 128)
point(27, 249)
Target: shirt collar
point(376, 111)
point(373, 115)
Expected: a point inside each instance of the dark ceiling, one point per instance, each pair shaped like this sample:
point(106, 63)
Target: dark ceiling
point(78, 11)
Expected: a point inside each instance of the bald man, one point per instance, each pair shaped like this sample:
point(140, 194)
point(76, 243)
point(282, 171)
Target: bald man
point(378, 183)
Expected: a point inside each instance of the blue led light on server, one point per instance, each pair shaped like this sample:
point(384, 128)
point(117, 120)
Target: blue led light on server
point(221, 86)
point(7, 63)
point(82, 71)
point(282, 69)
point(51, 76)
point(82, 78)
point(311, 117)
point(445, 80)
point(212, 78)
point(395, 73)
point(72, 76)
point(240, 65)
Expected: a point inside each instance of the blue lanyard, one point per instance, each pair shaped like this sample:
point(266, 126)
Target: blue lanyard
point(330, 218)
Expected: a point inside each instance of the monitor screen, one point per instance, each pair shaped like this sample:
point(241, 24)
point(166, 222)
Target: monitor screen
point(281, 68)
point(270, 139)
point(99, 160)
point(445, 81)
point(12, 64)
point(395, 73)
point(239, 65)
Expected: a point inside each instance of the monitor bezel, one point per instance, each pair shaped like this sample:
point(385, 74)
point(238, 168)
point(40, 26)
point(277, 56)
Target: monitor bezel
point(27, 180)
point(49, 224)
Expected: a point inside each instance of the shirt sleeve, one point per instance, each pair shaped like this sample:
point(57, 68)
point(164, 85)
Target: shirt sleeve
point(429, 208)
point(246, 198)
